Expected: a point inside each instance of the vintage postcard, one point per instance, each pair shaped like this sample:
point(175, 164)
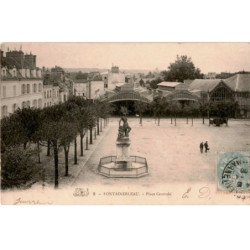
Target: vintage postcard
point(125, 123)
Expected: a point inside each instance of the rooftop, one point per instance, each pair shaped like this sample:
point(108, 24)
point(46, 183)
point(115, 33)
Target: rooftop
point(204, 84)
point(239, 82)
point(168, 84)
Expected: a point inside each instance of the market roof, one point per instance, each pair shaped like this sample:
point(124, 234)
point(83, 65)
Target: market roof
point(204, 84)
point(182, 95)
point(168, 84)
point(239, 82)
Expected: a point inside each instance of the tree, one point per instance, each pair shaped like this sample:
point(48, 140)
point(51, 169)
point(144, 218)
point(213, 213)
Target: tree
point(69, 131)
point(174, 108)
point(24, 124)
point(140, 107)
point(17, 168)
point(223, 109)
point(194, 110)
point(187, 111)
point(224, 75)
point(103, 109)
point(53, 118)
point(159, 106)
point(82, 76)
point(153, 83)
point(183, 68)
point(76, 106)
point(141, 82)
point(12, 132)
point(203, 109)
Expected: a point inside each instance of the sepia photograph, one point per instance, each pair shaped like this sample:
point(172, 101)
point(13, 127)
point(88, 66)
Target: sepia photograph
point(125, 123)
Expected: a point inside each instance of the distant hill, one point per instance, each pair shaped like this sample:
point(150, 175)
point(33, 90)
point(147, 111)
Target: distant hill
point(84, 70)
point(88, 70)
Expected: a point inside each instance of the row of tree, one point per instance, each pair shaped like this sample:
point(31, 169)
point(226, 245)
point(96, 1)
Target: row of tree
point(55, 127)
point(163, 107)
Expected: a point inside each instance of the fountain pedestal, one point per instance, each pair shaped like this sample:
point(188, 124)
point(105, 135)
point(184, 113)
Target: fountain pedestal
point(123, 161)
point(123, 165)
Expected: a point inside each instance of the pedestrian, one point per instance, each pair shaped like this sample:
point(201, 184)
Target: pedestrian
point(206, 146)
point(201, 147)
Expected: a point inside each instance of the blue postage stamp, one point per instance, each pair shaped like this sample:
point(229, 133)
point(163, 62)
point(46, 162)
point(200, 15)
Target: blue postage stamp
point(233, 172)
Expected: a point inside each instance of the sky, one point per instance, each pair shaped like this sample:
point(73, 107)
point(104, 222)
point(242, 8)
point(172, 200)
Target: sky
point(209, 57)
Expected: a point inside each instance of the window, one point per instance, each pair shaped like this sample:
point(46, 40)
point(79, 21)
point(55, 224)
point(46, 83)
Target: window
point(40, 87)
point(28, 104)
point(23, 89)
point(14, 107)
point(45, 105)
point(23, 105)
point(28, 88)
point(48, 94)
point(45, 94)
point(14, 90)
point(4, 91)
point(4, 110)
point(34, 103)
point(34, 88)
point(40, 103)
point(221, 94)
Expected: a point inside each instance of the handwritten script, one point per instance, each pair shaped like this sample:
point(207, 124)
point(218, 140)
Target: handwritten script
point(20, 201)
point(204, 192)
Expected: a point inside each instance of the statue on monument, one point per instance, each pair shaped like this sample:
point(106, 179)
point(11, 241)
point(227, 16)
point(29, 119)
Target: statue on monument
point(124, 129)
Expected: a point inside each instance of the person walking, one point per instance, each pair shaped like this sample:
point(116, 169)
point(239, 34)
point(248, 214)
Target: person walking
point(201, 147)
point(206, 146)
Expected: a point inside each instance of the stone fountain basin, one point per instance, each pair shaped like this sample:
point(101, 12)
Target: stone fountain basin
point(110, 167)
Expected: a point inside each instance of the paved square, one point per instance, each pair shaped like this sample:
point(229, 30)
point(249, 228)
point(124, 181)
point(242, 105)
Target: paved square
point(172, 152)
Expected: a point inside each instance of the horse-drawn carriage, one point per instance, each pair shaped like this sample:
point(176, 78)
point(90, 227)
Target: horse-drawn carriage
point(217, 121)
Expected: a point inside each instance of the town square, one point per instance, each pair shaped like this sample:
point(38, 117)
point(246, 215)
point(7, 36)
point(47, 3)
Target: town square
point(112, 127)
point(125, 125)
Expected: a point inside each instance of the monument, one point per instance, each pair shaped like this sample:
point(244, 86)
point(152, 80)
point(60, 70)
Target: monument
point(123, 144)
point(123, 164)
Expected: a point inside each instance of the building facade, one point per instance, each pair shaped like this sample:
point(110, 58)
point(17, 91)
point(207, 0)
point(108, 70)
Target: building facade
point(240, 84)
point(95, 89)
point(51, 95)
point(80, 87)
point(234, 89)
point(89, 89)
point(20, 92)
point(19, 60)
point(24, 85)
point(113, 78)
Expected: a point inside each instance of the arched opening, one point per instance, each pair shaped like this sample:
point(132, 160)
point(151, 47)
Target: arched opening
point(129, 104)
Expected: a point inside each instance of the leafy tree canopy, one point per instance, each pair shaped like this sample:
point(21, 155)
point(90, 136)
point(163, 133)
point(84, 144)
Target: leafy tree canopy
point(183, 68)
